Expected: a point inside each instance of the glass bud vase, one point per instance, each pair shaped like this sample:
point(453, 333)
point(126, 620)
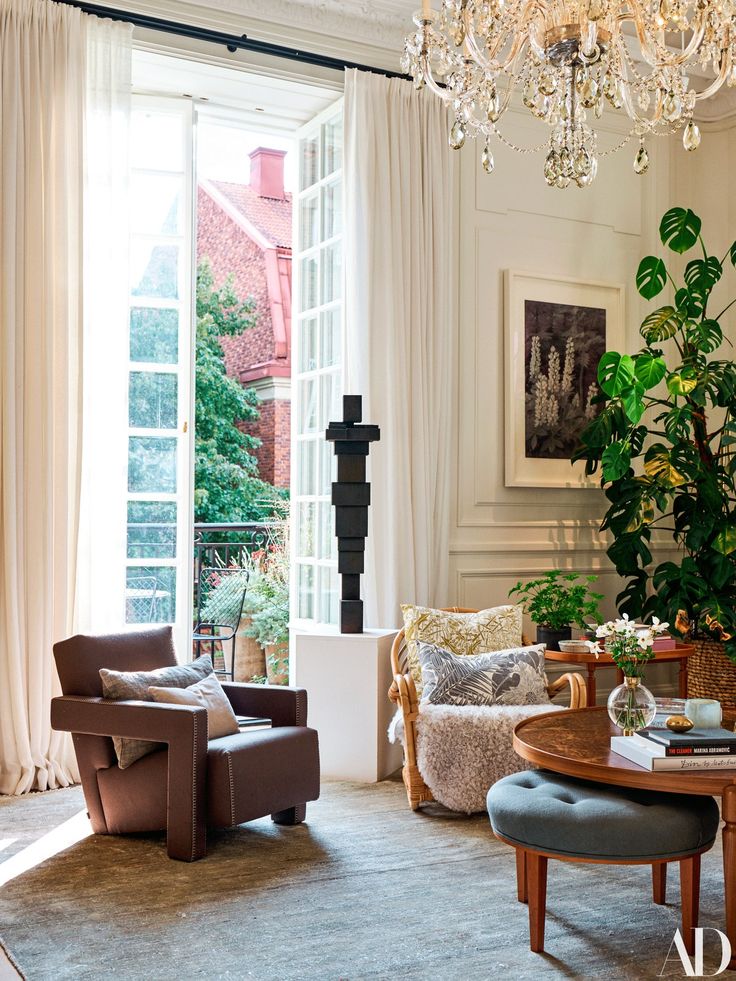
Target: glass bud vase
point(631, 706)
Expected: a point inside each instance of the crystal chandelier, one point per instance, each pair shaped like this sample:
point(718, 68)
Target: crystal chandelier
point(571, 59)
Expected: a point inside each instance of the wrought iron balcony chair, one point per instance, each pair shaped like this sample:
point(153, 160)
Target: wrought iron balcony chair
point(220, 599)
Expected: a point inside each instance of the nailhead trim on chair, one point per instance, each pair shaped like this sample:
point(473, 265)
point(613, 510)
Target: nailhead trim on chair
point(232, 789)
point(301, 708)
point(194, 788)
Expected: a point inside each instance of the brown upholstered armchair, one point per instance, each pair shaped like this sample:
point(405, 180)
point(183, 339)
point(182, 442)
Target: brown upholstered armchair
point(192, 783)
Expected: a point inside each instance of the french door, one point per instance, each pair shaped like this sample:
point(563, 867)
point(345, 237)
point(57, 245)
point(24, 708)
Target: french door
point(317, 344)
point(158, 496)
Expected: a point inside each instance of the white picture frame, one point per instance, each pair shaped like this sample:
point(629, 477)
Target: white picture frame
point(535, 304)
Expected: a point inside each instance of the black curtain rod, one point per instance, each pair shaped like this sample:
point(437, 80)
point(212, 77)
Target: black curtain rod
point(232, 42)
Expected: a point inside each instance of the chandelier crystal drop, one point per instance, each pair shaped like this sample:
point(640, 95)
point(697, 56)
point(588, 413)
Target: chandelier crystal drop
point(571, 60)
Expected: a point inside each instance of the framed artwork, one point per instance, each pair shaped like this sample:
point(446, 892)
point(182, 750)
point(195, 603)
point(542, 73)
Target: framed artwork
point(555, 332)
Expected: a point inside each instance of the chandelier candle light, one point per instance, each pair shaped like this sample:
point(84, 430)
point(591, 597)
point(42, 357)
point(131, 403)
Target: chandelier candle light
point(571, 59)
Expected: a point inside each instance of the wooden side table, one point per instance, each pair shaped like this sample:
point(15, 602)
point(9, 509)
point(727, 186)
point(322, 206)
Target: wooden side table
point(591, 663)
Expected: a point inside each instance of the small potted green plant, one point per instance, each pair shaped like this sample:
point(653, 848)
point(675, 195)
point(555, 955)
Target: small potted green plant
point(270, 609)
point(556, 602)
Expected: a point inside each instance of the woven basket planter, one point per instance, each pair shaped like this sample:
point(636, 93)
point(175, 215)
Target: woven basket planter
point(710, 674)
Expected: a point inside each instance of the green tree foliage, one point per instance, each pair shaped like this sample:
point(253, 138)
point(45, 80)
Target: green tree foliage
point(226, 482)
point(674, 468)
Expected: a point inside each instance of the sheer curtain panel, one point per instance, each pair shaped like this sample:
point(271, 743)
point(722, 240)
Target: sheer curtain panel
point(43, 84)
point(400, 327)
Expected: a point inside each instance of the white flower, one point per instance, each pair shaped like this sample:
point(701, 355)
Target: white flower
point(603, 630)
point(657, 626)
point(594, 647)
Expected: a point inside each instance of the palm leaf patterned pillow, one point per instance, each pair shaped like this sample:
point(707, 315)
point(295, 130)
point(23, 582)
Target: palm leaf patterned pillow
point(511, 677)
point(495, 629)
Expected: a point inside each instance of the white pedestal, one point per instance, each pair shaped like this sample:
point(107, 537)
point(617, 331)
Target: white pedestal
point(347, 677)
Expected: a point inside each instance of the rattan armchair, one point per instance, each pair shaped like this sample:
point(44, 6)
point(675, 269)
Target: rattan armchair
point(403, 693)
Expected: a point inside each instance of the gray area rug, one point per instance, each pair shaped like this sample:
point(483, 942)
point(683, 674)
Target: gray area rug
point(366, 889)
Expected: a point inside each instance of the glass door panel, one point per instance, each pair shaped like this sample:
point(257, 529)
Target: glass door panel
point(317, 354)
point(159, 529)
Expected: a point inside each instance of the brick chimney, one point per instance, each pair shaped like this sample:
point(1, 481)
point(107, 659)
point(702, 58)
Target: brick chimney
point(267, 172)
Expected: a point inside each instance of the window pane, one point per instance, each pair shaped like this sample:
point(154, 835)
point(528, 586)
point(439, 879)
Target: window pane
point(328, 595)
point(155, 270)
point(330, 402)
point(308, 272)
point(154, 335)
point(327, 540)
point(332, 146)
point(151, 530)
point(156, 204)
point(150, 594)
point(305, 592)
point(151, 465)
point(309, 223)
point(156, 141)
point(308, 347)
point(331, 273)
point(307, 470)
point(152, 400)
point(309, 170)
point(331, 211)
point(308, 405)
point(331, 337)
point(328, 468)
point(306, 518)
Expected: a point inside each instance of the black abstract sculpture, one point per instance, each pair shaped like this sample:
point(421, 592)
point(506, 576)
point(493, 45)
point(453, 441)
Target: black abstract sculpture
point(351, 495)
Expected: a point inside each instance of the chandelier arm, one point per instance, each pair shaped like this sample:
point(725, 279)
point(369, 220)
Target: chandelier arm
point(656, 53)
point(726, 62)
point(631, 111)
point(439, 90)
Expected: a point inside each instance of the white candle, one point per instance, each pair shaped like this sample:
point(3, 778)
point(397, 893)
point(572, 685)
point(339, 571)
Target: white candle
point(704, 713)
point(426, 9)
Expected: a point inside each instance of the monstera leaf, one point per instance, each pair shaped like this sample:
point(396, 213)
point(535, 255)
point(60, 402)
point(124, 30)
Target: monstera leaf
point(615, 461)
point(649, 369)
point(679, 229)
point(615, 373)
point(661, 325)
point(706, 335)
point(651, 276)
point(703, 274)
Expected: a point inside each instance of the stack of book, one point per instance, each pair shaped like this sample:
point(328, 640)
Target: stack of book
point(660, 749)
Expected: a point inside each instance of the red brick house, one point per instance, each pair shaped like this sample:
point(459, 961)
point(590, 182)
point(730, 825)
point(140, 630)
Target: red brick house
point(245, 230)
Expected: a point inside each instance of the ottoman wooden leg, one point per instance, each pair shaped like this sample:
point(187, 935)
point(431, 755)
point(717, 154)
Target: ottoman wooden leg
point(659, 883)
point(521, 887)
point(690, 899)
point(536, 872)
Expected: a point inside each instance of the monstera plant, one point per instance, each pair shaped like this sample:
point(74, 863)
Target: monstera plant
point(664, 443)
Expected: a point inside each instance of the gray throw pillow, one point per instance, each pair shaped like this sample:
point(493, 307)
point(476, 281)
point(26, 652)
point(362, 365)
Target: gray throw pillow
point(511, 677)
point(123, 685)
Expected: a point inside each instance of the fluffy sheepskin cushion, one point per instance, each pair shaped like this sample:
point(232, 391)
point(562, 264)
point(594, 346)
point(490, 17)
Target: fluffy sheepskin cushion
point(463, 749)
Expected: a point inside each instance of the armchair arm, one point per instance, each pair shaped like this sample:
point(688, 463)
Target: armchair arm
point(182, 727)
point(283, 705)
point(578, 691)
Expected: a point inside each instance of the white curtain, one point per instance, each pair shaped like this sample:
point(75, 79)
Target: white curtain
point(44, 49)
point(102, 532)
point(400, 327)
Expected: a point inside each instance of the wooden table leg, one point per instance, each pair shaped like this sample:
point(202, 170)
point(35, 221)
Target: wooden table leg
point(591, 684)
point(659, 883)
point(521, 886)
point(683, 677)
point(728, 811)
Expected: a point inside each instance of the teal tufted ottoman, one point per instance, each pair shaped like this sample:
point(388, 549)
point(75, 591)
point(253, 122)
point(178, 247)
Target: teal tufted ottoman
point(545, 815)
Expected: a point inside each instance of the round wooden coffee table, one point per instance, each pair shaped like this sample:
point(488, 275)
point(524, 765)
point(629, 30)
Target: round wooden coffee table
point(680, 653)
point(577, 743)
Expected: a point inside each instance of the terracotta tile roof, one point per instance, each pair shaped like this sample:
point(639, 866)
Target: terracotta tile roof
point(271, 216)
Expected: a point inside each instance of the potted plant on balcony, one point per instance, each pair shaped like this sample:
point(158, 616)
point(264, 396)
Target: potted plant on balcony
point(556, 602)
point(270, 609)
point(664, 443)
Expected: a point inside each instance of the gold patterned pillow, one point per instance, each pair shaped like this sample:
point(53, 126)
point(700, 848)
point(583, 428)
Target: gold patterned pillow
point(496, 629)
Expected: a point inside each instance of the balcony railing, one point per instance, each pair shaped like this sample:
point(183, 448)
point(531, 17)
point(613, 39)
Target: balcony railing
point(224, 546)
